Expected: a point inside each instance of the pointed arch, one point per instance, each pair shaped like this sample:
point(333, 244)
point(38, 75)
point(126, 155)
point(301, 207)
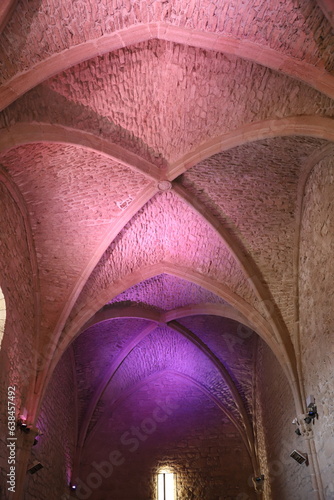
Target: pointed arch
point(254, 319)
point(28, 133)
point(191, 381)
point(314, 76)
point(310, 126)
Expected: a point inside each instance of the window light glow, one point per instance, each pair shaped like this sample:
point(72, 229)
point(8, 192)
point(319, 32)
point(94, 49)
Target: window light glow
point(2, 315)
point(166, 486)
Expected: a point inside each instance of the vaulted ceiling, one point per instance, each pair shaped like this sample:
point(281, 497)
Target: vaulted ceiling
point(161, 151)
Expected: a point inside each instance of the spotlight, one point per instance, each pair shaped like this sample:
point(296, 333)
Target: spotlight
point(312, 413)
point(73, 486)
point(22, 424)
point(36, 466)
point(310, 401)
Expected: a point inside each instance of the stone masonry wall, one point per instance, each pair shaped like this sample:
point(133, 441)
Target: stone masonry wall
point(316, 310)
point(142, 244)
point(16, 354)
point(180, 430)
point(35, 29)
point(288, 479)
point(81, 198)
point(55, 447)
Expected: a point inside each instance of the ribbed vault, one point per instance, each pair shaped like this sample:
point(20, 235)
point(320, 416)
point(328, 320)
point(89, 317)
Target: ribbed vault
point(154, 159)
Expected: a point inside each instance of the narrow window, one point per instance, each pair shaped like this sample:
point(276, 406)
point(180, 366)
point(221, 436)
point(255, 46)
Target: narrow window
point(166, 486)
point(2, 315)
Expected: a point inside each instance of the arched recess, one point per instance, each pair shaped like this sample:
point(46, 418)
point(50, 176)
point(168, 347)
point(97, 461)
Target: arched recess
point(193, 382)
point(116, 311)
point(313, 126)
point(253, 317)
point(325, 152)
point(314, 76)
point(194, 339)
point(20, 240)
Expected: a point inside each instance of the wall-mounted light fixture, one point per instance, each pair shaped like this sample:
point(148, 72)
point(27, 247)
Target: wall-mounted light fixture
point(312, 412)
point(303, 421)
point(296, 422)
point(22, 421)
point(36, 466)
point(301, 458)
point(22, 424)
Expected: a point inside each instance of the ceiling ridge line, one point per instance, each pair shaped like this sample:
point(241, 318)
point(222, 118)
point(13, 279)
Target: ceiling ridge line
point(22, 133)
point(300, 125)
point(309, 74)
point(115, 365)
point(44, 376)
point(224, 373)
point(254, 277)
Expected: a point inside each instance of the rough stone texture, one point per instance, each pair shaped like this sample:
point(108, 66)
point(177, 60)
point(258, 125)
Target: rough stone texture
point(166, 292)
point(16, 356)
point(233, 344)
point(288, 479)
point(174, 105)
point(166, 349)
point(47, 106)
point(35, 31)
point(68, 191)
point(181, 443)
point(316, 309)
point(265, 188)
point(56, 445)
point(259, 423)
point(133, 88)
point(96, 349)
point(125, 97)
point(143, 244)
